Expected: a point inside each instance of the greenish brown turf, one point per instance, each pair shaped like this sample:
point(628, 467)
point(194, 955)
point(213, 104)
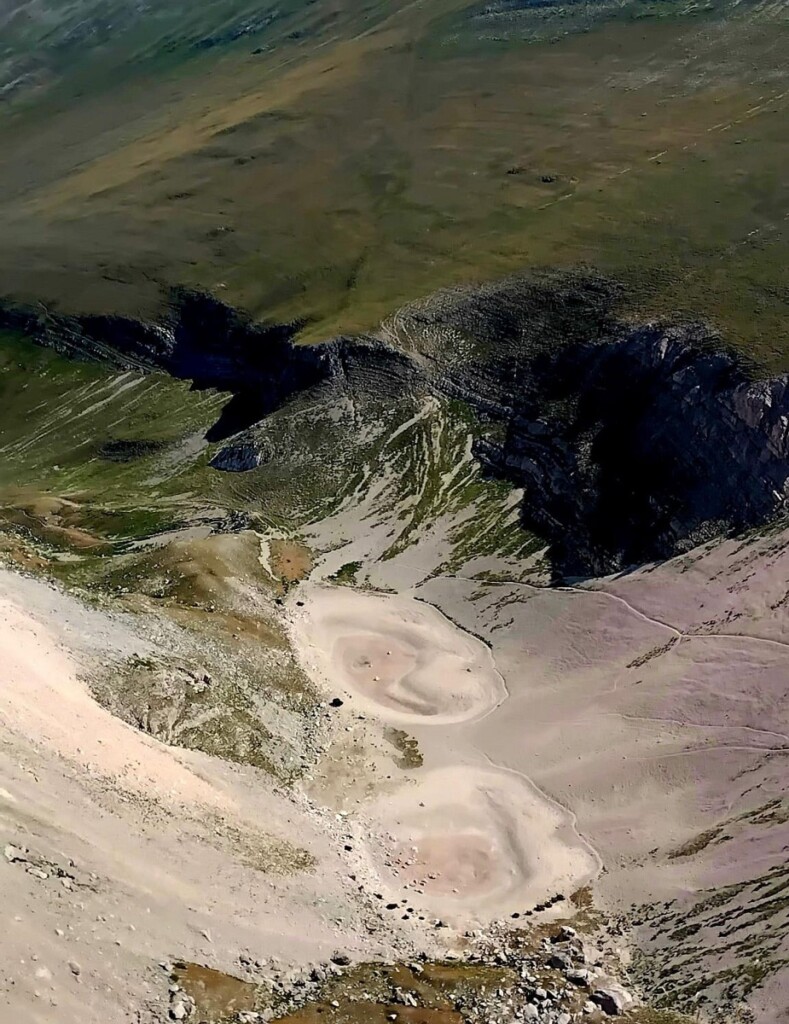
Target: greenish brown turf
point(357, 166)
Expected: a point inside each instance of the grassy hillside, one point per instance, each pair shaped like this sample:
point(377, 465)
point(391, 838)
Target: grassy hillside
point(333, 160)
point(95, 461)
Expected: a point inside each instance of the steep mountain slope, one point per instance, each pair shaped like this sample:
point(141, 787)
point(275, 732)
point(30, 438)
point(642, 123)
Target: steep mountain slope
point(631, 442)
point(331, 161)
point(393, 420)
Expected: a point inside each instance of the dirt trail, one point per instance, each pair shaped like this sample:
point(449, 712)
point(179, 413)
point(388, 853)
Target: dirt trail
point(660, 623)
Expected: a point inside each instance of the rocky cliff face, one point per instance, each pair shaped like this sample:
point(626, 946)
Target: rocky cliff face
point(641, 446)
point(631, 443)
point(215, 346)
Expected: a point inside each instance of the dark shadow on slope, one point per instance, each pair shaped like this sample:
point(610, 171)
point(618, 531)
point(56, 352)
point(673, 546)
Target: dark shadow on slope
point(632, 443)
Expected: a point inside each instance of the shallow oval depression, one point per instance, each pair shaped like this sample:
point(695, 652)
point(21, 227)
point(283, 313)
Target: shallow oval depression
point(469, 843)
point(395, 657)
point(474, 844)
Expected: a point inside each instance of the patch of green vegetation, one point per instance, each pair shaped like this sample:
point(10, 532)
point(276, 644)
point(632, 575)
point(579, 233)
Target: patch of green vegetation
point(221, 707)
point(365, 993)
point(217, 996)
point(369, 993)
point(586, 917)
point(333, 162)
point(57, 414)
point(407, 747)
point(269, 854)
point(346, 574)
point(439, 481)
point(697, 844)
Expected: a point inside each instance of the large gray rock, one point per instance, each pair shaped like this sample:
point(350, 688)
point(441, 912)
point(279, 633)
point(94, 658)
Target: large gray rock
point(613, 999)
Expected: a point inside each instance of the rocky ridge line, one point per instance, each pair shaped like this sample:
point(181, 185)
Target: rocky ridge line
point(632, 443)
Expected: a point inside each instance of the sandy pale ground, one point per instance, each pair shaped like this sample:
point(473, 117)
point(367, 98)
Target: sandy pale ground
point(595, 725)
point(138, 853)
point(646, 733)
point(399, 658)
point(655, 707)
point(637, 713)
point(475, 844)
point(43, 699)
point(468, 842)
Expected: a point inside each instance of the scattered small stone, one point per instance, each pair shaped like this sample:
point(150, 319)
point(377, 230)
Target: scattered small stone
point(75, 968)
point(336, 702)
point(340, 959)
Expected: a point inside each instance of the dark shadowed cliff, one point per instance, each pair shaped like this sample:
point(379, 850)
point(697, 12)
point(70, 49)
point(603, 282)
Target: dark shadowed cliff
point(631, 442)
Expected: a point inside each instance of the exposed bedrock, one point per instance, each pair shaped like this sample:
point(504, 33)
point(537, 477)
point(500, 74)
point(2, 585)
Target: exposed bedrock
point(214, 346)
point(640, 447)
point(632, 443)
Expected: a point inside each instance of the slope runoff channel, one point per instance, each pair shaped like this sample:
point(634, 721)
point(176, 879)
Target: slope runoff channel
point(395, 657)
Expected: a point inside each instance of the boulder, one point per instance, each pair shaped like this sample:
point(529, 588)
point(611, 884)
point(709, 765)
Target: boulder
point(613, 1000)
